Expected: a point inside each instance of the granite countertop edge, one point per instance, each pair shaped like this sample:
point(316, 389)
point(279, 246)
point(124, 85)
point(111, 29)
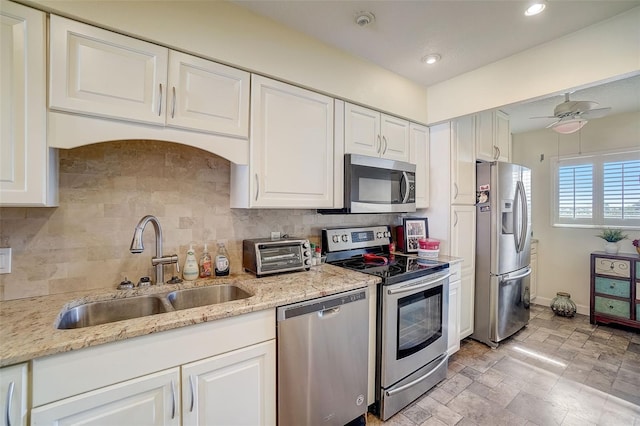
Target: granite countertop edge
point(28, 326)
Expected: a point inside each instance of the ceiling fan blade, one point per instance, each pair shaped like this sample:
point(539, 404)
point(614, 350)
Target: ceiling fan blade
point(544, 116)
point(553, 124)
point(596, 113)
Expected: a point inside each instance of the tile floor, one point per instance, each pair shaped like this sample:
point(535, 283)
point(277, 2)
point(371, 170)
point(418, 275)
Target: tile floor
point(555, 371)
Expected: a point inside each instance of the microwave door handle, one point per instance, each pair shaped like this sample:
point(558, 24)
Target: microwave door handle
point(407, 189)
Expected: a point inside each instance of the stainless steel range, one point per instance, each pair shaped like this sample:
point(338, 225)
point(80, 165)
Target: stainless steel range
point(412, 313)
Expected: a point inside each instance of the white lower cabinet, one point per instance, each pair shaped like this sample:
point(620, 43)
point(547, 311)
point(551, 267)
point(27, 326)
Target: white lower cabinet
point(13, 394)
point(463, 244)
point(149, 400)
point(237, 388)
point(453, 334)
point(533, 280)
point(217, 373)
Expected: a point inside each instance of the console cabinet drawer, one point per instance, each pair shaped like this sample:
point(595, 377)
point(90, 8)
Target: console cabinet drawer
point(612, 267)
point(613, 287)
point(616, 308)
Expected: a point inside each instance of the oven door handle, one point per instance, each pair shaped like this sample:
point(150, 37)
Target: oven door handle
point(417, 286)
point(418, 380)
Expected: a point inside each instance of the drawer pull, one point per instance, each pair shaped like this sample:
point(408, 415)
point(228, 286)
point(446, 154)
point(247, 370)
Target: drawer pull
point(610, 306)
point(612, 286)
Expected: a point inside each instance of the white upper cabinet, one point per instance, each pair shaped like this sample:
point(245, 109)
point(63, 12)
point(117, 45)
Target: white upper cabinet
point(208, 96)
point(291, 149)
point(420, 157)
point(493, 136)
point(463, 161)
point(98, 72)
point(28, 169)
point(372, 133)
point(101, 73)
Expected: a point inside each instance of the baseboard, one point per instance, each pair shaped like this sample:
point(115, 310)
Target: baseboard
point(543, 301)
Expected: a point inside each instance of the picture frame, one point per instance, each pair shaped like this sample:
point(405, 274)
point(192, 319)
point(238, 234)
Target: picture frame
point(415, 228)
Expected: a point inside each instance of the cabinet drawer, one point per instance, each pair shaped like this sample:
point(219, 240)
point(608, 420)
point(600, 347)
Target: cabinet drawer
point(612, 267)
point(613, 287)
point(617, 308)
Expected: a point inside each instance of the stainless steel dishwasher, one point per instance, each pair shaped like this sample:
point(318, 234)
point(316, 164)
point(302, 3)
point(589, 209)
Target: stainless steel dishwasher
point(322, 360)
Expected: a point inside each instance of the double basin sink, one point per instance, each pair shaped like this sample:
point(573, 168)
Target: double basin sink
point(113, 310)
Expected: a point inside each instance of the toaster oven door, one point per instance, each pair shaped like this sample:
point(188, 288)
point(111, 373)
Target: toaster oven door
point(272, 258)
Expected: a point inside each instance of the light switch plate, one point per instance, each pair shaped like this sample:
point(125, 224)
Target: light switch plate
point(5, 260)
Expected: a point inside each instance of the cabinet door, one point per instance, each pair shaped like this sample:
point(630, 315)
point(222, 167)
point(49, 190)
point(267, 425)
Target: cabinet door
point(463, 161)
point(291, 154)
point(454, 318)
point(485, 148)
point(463, 237)
point(533, 280)
point(419, 149)
point(25, 166)
point(502, 136)
point(361, 131)
point(98, 72)
point(207, 96)
point(236, 388)
point(395, 138)
point(147, 400)
point(13, 393)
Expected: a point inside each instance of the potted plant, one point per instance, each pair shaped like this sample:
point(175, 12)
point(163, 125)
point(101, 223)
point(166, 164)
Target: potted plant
point(611, 236)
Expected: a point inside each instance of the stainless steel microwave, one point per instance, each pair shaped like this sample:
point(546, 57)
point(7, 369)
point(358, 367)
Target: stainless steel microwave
point(378, 185)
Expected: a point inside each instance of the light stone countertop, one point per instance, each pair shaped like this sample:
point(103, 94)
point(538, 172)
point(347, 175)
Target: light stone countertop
point(28, 326)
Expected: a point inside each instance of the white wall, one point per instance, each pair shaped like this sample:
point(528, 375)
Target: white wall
point(608, 50)
point(233, 35)
point(563, 253)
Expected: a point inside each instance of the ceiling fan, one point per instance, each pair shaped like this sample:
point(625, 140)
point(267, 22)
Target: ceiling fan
point(571, 116)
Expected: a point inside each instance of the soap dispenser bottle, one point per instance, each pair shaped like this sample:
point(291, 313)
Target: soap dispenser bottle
point(222, 261)
point(205, 263)
point(190, 270)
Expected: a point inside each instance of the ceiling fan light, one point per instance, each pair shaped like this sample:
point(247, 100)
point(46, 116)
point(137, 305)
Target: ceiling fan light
point(535, 8)
point(569, 126)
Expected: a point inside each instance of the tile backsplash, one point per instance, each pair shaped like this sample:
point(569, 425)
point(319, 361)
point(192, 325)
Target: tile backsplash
point(104, 191)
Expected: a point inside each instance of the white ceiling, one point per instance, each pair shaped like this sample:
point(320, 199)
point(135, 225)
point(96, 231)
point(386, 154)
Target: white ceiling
point(467, 34)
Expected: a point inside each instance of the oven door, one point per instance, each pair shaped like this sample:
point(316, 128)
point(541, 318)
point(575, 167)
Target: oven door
point(378, 185)
point(414, 325)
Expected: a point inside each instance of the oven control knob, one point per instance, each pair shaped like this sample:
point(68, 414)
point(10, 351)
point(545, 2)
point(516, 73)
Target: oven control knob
point(307, 262)
point(305, 244)
point(336, 238)
point(345, 238)
point(387, 234)
point(379, 235)
point(307, 253)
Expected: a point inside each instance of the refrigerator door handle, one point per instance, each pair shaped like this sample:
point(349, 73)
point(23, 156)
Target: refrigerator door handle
point(510, 277)
point(515, 215)
point(523, 216)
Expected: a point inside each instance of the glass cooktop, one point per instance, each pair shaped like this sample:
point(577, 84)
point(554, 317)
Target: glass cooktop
point(392, 268)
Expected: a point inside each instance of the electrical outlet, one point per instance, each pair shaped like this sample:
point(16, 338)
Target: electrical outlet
point(5, 260)
point(275, 235)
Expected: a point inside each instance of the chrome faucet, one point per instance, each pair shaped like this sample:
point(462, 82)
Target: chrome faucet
point(159, 260)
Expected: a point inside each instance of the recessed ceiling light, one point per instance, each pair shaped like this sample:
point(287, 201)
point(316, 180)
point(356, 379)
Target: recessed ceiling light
point(535, 7)
point(431, 59)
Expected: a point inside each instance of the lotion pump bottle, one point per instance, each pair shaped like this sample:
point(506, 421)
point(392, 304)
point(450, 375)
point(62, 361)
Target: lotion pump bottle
point(190, 270)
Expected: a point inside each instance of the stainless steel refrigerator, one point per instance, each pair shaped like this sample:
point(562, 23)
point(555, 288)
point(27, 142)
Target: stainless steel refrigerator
point(503, 251)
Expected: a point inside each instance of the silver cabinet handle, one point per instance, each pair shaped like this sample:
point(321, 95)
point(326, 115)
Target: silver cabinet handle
point(257, 186)
point(498, 152)
point(455, 219)
point(160, 102)
point(379, 145)
point(192, 385)
point(173, 399)
point(173, 104)
point(384, 139)
point(418, 380)
point(495, 152)
point(12, 385)
point(455, 187)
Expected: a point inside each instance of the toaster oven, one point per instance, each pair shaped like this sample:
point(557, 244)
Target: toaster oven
point(265, 256)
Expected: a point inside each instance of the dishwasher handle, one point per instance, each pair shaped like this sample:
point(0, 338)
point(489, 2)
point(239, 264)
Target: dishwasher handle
point(323, 307)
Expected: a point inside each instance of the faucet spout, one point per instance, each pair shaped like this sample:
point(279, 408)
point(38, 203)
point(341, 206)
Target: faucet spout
point(137, 246)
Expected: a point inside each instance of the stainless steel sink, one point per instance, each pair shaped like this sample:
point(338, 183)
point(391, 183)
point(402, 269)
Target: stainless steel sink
point(202, 296)
point(113, 310)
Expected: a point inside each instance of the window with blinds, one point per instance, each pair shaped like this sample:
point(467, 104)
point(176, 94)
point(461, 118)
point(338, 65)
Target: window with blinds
point(598, 190)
